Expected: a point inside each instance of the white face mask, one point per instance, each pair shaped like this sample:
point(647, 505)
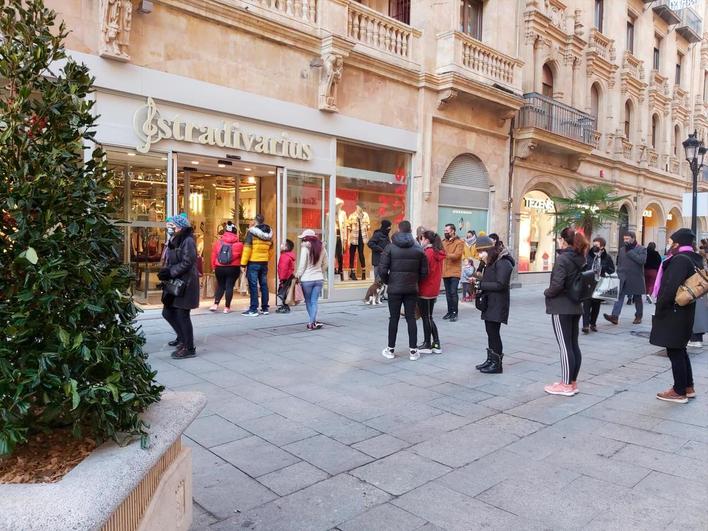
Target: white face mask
point(170, 231)
point(483, 255)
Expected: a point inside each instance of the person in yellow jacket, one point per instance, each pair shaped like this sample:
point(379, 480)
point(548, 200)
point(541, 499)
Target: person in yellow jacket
point(470, 251)
point(257, 253)
point(452, 269)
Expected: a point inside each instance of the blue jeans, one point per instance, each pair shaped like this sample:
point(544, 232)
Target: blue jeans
point(312, 290)
point(257, 274)
point(638, 304)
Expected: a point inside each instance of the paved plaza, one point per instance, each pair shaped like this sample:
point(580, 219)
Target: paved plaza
point(317, 431)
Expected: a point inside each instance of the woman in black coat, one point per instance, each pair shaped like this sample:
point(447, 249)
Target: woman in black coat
point(493, 299)
point(600, 261)
point(565, 312)
point(672, 325)
point(181, 264)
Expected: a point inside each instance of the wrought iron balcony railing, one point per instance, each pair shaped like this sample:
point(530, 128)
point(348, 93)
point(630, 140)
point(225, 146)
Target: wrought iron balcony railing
point(555, 117)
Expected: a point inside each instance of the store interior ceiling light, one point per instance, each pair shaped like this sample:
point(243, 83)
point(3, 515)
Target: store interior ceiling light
point(271, 172)
point(195, 162)
point(131, 154)
point(222, 165)
point(247, 169)
point(251, 180)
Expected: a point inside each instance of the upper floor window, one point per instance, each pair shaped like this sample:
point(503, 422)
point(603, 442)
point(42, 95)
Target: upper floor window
point(630, 35)
point(679, 62)
point(657, 53)
point(594, 101)
point(547, 82)
point(599, 14)
point(705, 88)
point(677, 140)
point(471, 18)
point(400, 10)
point(628, 120)
point(654, 131)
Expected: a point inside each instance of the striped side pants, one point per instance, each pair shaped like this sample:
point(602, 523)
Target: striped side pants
point(567, 328)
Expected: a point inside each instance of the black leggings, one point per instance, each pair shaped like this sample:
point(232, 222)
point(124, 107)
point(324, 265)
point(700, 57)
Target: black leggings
point(226, 277)
point(429, 328)
point(394, 307)
point(494, 341)
point(681, 369)
point(567, 328)
point(181, 323)
point(591, 310)
point(353, 249)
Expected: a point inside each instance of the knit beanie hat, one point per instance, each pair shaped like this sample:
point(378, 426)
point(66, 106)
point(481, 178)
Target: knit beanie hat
point(230, 227)
point(385, 224)
point(483, 243)
point(181, 221)
point(683, 237)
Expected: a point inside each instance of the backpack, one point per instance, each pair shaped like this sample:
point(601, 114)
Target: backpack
point(582, 285)
point(225, 254)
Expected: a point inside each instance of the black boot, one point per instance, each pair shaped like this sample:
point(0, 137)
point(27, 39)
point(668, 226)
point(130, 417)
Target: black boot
point(352, 275)
point(341, 275)
point(174, 342)
point(496, 366)
point(363, 274)
point(486, 363)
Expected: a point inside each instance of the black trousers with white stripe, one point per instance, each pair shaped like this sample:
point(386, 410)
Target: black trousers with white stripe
point(567, 329)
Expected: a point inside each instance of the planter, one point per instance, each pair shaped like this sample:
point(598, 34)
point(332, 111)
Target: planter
point(117, 488)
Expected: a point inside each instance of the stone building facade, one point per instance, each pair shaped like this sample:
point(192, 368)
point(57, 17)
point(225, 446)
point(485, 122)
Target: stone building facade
point(336, 114)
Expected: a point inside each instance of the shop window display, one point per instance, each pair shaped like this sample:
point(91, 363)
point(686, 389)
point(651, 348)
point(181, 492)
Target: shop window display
point(371, 186)
point(537, 246)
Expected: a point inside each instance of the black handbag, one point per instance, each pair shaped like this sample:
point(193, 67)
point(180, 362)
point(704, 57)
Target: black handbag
point(481, 302)
point(582, 285)
point(175, 287)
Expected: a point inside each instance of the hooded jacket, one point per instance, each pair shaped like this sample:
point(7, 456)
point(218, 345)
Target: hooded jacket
point(495, 286)
point(378, 242)
point(258, 247)
point(454, 249)
point(429, 287)
point(286, 265)
point(182, 263)
point(403, 265)
point(568, 264)
point(229, 238)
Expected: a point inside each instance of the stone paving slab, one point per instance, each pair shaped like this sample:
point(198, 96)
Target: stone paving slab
point(316, 430)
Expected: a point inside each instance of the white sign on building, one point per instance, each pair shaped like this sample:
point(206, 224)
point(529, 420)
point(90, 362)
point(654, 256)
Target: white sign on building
point(687, 206)
point(677, 5)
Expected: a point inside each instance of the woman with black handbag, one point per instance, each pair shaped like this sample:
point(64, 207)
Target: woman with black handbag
point(180, 292)
point(493, 299)
point(565, 310)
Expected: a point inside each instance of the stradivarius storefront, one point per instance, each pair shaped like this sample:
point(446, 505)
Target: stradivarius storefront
point(181, 145)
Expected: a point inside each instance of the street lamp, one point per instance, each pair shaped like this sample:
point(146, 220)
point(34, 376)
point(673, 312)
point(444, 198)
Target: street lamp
point(695, 152)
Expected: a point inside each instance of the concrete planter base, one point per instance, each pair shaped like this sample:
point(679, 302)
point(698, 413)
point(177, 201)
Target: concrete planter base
point(114, 488)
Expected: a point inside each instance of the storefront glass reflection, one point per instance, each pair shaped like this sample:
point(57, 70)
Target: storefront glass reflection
point(536, 233)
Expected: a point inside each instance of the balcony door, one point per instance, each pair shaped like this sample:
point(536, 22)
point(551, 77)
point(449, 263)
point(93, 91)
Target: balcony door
point(471, 12)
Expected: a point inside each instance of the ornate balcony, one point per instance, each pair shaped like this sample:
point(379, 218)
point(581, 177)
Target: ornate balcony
point(690, 27)
point(663, 9)
point(674, 165)
point(627, 149)
point(601, 55)
point(380, 32)
point(295, 10)
point(651, 157)
point(559, 127)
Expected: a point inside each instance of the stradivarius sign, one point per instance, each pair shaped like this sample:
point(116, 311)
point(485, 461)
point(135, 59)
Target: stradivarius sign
point(151, 128)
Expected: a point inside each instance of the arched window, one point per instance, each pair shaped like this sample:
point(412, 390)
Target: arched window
point(594, 101)
point(677, 140)
point(547, 83)
point(628, 120)
point(654, 130)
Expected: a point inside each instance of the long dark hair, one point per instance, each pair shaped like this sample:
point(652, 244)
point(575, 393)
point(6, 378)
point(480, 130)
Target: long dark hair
point(315, 248)
point(434, 239)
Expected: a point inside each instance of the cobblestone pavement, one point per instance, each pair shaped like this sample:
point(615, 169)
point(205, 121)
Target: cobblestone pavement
point(316, 430)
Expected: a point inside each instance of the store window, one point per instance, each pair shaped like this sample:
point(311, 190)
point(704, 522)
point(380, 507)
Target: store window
point(139, 197)
point(537, 247)
point(371, 185)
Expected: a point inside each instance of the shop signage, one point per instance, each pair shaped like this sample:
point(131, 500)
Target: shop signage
point(546, 205)
point(150, 128)
point(647, 214)
point(677, 5)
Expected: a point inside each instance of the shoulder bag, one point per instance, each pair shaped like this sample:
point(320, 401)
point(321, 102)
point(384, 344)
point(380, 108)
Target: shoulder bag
point(693, 288)
point(582, 285)
point(174, 287)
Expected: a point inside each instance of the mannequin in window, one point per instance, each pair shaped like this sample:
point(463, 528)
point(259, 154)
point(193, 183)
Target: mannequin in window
point(340, 231)
point(358, 228)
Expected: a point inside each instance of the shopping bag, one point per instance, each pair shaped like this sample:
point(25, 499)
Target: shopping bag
point(243, 283)
point(607, 288)
point(295, 295)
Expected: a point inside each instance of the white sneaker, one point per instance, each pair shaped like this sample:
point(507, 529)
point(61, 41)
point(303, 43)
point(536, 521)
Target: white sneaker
point(695, 344)
point(388, 353)
point(414, 354)
point(437, 349)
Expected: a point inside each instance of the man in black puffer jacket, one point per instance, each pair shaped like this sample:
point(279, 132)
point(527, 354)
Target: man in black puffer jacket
point(403, 265)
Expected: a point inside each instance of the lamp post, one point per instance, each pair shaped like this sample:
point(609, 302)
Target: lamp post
point(695, 152)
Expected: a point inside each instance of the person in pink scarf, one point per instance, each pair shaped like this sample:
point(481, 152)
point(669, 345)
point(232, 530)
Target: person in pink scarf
point(672, 324)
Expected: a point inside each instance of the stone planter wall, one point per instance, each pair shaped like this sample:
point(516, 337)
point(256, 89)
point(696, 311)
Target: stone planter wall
point(117, 489)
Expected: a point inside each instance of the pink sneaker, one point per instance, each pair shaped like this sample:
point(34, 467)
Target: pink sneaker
point(227, 310)
point(214, 308)
point(560, 389)
point(574, 385)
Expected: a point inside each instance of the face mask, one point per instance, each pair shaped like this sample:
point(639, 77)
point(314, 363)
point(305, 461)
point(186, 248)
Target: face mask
point(170, 231)
point(483, 255)
point(596, 248)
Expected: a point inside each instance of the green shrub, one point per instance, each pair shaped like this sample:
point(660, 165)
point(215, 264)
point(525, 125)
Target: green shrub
point(70, 354)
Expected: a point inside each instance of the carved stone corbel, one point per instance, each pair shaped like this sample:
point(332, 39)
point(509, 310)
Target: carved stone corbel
point(525, 147)
point(116, 22)
point(504, 116)
point(446, 97)
point(332, 68)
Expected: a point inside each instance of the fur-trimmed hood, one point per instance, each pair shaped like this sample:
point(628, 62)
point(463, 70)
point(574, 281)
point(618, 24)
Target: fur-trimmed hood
point(262, 232)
